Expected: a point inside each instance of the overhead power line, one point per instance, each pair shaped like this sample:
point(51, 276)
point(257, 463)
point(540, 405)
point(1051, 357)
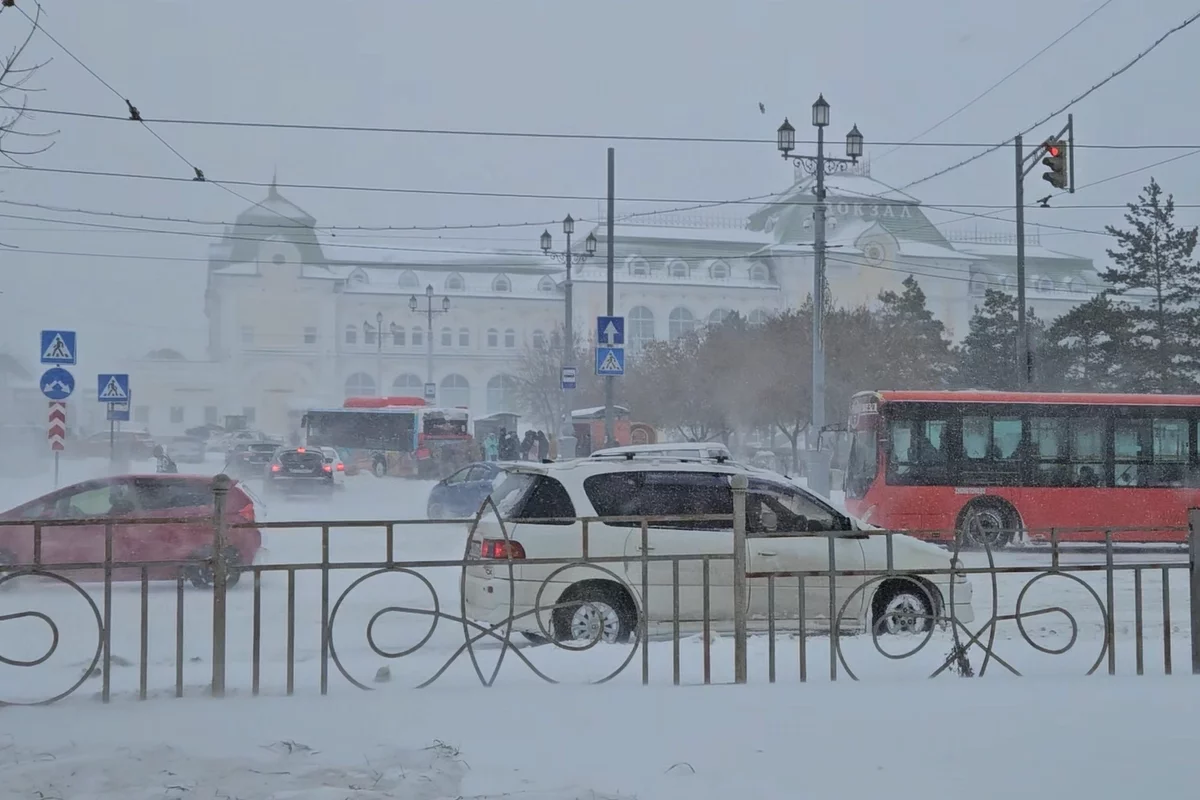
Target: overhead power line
point(699, 202)
point(1095, 87)
point(1000, 82)
point(484, 133)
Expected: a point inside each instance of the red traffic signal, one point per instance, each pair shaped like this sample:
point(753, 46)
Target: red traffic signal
point(1056, 160)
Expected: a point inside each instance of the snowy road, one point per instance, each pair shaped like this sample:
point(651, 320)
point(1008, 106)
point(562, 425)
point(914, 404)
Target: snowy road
point(368, 498)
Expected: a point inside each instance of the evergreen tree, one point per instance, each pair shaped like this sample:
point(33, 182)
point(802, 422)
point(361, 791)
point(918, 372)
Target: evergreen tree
point(1154, 270)
point(990, 353)
point(914, 351)
point(1086, 349)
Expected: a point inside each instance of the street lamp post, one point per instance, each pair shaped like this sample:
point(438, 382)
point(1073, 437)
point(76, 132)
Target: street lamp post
point(566, 436)
point(429, 312)
point(818, 473)
point(378, 334)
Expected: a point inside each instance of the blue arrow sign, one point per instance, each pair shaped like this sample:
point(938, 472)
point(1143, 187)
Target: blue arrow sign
point(57, 384)
point(610, 360)
point(58, 347)
point(610, 331)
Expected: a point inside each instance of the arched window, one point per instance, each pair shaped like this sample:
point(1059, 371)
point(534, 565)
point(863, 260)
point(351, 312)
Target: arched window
point(455, 283)
point(539, 340)
point(680, 323)
point(397, 336)
point(1068, 286)
point(358, 277)
point(501, 283)
point(639, 327)
point(546, 284)
point(678, 268)
point(454, 391)
point(1045, 285)
point(978, 286)
point(757, 317)
point(351, 334)
point(409, 280)
point(510, 338)
point(493, 337)
point(464, 337)
point(447, 337)
point(718, 270)
point(418, 336)
point(718, 316)
point(360, 384)
point(407, 385)
point(637, 265)
point(502, 394)
point(369, 333)
point(759, 273)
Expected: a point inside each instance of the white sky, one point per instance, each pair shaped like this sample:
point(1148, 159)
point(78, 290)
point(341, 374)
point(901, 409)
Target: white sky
point(667, 67)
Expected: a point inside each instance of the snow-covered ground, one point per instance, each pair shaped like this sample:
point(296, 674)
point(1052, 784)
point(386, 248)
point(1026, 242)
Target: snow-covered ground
point(368, 498)
point(1097, 738)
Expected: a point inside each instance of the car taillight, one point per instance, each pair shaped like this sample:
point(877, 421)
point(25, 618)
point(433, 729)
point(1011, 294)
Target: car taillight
point(501, 548)
point(341, 467)
point(327, 468)
point(275, 468)
point(300, 450)
point(247, 512)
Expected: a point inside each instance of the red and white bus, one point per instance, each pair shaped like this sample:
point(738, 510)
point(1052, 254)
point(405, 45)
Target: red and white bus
point(399, 436)
point(986, 465)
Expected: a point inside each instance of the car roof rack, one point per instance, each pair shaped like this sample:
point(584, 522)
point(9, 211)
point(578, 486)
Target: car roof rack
point(697, 458)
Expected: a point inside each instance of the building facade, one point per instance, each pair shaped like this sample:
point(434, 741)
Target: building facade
point(296, 322)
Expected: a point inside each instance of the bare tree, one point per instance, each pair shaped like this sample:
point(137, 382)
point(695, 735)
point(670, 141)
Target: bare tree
point(15, 74)
point(539, 372)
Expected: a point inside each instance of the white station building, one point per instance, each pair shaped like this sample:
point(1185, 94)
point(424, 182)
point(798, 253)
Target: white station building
point(292, 319)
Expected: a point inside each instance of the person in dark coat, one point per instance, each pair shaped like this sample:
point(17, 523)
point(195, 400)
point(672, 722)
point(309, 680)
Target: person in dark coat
point(165, 462)
point(528, 442)
point(543, 444)
point(508, 450)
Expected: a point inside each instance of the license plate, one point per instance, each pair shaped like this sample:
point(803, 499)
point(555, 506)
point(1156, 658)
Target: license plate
point(300, 470)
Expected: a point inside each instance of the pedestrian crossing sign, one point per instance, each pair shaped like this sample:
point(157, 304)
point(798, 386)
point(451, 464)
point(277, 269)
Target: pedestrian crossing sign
point(113, 388)
point(58, 347)
point(610, 360)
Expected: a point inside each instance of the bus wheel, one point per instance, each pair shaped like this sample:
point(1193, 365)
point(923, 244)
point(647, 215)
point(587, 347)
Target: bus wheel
point(987, 524)
point(379, 468)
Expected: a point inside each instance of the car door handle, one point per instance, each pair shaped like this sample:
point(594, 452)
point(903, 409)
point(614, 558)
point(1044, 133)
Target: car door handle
point(765, 553)
point(644, 549)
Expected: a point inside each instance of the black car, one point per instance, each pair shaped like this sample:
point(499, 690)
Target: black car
point(298, 470)
point(250, 460)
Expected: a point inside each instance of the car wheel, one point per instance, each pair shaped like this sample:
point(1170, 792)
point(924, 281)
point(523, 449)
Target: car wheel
point(987, 525)
point(436, 511)
point(201, 572)
point(590, 612)
point(379, 468)
point(903, 608)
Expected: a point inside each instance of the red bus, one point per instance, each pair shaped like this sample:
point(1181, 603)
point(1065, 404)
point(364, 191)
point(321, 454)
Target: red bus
point(989, 466)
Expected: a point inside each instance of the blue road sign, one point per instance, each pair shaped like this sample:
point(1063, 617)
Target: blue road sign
point(610, 360)
point(58, 347)
point(610, 331)
point(569, 377)
point(118, 412)
point(112, 387)
point(57, 384)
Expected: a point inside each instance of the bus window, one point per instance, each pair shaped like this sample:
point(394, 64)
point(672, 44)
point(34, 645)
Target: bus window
point(917, 452)
point(862, 463)
point(991, 450)
point(1088, 437)
point(1150, 453)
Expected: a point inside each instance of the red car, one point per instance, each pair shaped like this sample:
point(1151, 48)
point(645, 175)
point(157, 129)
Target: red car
point(126, 499)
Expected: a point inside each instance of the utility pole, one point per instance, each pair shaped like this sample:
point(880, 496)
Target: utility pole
point(610, 439)
point(566, 436)
point(378, 349)
point(818, 469)
point(1059, 157)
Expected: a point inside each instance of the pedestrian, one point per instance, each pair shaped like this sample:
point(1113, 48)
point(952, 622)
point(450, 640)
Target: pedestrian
point(543, 444)
point(491, 447)
point(165, 463)
point(528, 442)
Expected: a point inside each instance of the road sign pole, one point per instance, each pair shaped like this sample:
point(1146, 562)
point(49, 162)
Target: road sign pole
point(609, 437)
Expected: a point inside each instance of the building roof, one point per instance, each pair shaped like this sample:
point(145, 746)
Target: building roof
point(275, 209)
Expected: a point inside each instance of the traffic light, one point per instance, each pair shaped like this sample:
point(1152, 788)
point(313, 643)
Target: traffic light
point(1056, 160)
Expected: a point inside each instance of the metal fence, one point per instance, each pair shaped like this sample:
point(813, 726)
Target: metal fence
point(791, 616)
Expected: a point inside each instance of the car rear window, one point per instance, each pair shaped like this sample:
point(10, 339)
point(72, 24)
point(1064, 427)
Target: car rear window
point(159, 495)
point(522, 495)
point(307, 460)
point(662, 494)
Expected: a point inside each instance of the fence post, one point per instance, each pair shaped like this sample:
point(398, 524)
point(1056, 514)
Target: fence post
point(1194, 585)
point(741, 597)
point(220, 490)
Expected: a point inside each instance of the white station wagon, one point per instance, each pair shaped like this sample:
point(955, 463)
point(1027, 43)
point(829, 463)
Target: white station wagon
point(606, 605)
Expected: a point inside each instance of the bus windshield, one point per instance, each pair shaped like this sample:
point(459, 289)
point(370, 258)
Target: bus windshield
point(862, 464)
point(362, 429)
